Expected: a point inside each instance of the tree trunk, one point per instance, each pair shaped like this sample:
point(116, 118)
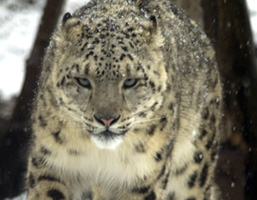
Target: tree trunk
point(14, 145)
point(226, 22)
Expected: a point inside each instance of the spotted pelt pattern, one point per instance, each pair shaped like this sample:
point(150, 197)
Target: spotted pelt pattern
point(128, 107)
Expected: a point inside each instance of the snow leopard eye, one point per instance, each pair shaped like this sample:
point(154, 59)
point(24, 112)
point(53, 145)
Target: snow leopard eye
point(130, 83)
point(83, 82)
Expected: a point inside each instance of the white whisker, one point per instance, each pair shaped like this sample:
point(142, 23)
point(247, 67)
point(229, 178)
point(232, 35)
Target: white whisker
point(148, 120)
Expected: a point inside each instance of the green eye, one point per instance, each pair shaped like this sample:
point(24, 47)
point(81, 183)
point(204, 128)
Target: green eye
point(130, 83)
point(83, 82)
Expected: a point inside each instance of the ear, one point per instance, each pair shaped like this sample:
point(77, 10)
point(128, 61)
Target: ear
point(71, 26)
point(66, 16)
point(153, 27)
point(150, 28)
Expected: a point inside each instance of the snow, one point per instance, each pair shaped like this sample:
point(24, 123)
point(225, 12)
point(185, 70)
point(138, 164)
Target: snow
point(20, 197)
point(252, 5)
point(18, 29)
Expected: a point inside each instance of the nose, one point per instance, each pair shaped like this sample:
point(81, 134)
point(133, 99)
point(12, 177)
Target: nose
point(107, 122)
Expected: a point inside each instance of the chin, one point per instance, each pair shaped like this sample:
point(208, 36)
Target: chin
point(111, 142)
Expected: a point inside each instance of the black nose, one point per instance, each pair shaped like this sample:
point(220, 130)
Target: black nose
point(107, 121)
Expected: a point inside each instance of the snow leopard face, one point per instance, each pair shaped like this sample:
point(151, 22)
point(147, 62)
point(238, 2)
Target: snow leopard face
point(110, 76)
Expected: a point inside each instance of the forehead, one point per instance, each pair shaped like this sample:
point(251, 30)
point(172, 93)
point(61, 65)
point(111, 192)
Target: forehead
point(109, 49)
point(108, 37)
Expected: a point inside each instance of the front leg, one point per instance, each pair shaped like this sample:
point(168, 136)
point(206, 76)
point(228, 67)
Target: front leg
point(43, 183)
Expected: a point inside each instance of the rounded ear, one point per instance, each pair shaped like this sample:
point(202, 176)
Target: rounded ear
point(71, 26)
point(66, 16)
point(153, 27)
point(149, 28)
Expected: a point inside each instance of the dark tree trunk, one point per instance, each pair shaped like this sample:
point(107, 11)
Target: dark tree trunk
point(227, 24)
point(14, 144)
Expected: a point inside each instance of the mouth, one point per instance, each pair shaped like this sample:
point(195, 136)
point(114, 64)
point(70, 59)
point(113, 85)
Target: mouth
point(109, 134)
point(107, 139)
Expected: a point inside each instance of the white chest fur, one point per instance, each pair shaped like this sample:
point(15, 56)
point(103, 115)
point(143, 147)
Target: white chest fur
point(120, 167)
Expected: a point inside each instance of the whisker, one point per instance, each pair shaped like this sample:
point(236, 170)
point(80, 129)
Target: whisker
point(149, 120)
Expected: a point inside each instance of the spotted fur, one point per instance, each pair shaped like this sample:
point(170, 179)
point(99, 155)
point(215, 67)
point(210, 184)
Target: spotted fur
point(128, 107)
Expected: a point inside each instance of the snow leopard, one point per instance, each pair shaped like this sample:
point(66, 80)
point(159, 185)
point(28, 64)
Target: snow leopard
point(128, 107)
